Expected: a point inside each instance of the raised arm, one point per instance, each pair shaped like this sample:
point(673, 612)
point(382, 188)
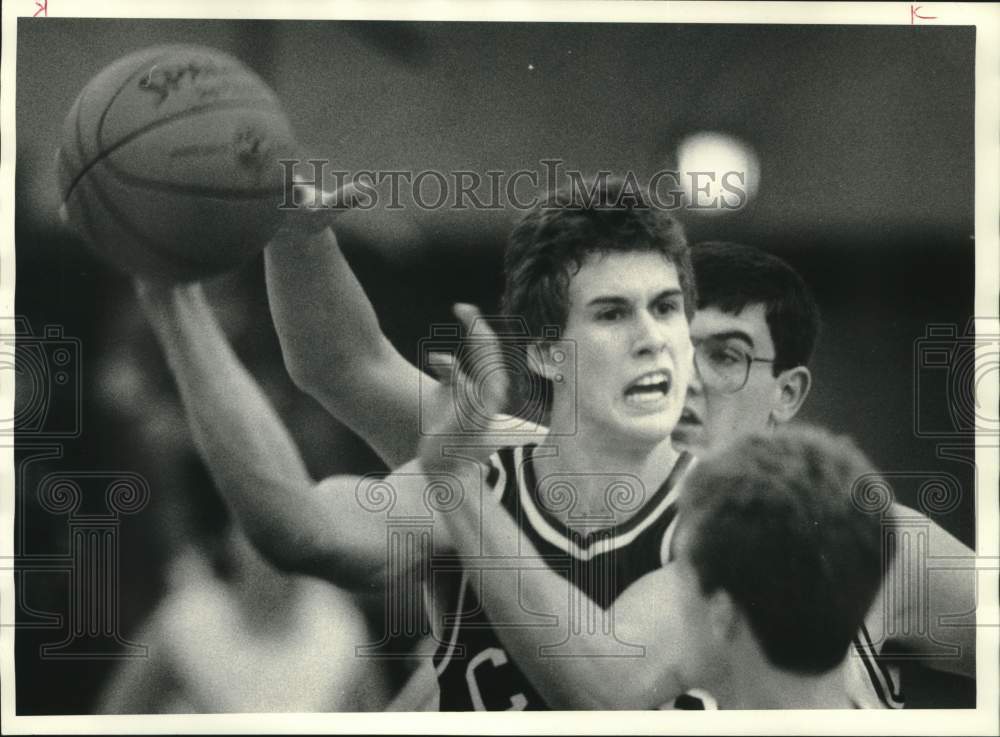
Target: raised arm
point(298, 525)
point(330, 336)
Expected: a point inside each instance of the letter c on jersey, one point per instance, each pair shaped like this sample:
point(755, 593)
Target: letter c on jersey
point(496, 656)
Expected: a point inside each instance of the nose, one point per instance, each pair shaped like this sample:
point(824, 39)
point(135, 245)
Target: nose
point(694, 382)
point(650, 338)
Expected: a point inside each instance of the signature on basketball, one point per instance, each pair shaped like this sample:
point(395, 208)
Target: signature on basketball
point(207, 80)
point(252, 147)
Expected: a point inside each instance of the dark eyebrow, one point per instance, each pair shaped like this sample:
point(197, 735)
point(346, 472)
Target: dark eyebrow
point(608, 300)
point(668, 294)
point(731, 334)
point(613, 300)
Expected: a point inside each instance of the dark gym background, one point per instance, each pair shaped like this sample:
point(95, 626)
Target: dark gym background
point(865, 135)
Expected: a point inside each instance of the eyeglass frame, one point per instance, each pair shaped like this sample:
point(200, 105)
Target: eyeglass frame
point(750, 360)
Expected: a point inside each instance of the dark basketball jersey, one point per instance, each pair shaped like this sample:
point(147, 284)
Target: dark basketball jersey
point(474, 669)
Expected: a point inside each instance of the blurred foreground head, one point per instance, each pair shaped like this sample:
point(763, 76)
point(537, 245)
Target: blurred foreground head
point(776, 533)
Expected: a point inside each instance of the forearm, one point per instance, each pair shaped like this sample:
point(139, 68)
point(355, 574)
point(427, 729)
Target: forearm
point(246, 447)
point(236, 427)
point(334, 347)
point(308, 274)
point(589, 680)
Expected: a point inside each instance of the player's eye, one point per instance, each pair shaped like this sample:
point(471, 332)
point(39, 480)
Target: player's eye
point(611, 314)
point(666, 307)
point(724, 356)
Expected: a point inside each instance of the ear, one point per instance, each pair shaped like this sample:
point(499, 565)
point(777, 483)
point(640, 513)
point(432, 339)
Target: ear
point(792, 389)
point(540, 360)
point(724, 616)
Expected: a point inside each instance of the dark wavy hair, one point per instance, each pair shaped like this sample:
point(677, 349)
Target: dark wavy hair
point(774, 520)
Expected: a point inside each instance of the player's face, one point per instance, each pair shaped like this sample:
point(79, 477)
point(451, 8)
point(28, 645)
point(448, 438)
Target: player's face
point(633, 347)
point(713, 415)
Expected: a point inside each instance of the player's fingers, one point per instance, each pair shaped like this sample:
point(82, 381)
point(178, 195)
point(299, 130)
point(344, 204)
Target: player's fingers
point(343, 198)
point(441, 366)
point(473, 320)
point(315, 210)
point(487, 380)
point(308, 197)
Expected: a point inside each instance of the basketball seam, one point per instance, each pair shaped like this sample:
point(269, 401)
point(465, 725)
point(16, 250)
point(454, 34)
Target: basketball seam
point(229, 104)
point(100, 124)
point(221, 193)
point(162, 251)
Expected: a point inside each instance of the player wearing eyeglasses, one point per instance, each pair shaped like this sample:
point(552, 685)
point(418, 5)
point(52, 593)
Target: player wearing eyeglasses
point(754, 334)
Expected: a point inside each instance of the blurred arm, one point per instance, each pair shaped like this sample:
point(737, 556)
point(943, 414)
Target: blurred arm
point(913, 595)
point(333, 345)
point(298, 525)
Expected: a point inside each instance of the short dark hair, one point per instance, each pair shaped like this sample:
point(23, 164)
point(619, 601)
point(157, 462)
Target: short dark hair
point(732, 275)
point(552, 241)
point(776, 521)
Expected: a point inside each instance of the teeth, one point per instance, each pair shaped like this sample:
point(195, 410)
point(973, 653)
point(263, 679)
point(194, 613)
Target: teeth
point(657, 378)
point(644, 397)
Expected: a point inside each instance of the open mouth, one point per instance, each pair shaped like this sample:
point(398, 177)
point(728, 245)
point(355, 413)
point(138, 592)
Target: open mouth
point(648, 389)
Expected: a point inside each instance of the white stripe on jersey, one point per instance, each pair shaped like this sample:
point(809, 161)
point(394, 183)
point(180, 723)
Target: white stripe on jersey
point(455, 626)
point(861, 684)
point(880, 685)
point(558, 539)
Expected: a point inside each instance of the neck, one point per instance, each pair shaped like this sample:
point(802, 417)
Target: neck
point(756, 684)
point(592, 462)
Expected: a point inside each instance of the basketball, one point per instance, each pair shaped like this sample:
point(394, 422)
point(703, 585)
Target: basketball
point(168, 164)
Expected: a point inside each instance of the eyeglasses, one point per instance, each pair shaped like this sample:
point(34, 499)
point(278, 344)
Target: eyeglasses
point(724, 367)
